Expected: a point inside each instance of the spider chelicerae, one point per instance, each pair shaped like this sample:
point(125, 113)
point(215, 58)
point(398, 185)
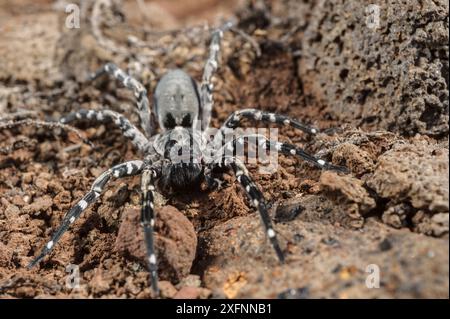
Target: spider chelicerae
point(183, 154)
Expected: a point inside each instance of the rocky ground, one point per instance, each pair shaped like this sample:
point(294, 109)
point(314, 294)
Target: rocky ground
point(380, 94)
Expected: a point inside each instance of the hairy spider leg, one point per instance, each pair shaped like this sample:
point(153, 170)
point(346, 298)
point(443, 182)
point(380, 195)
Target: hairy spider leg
point(234, 120)
point(210, 68)
point(284, 148)
point(131, 83)
point(128, 129)
point(148, 222)
point(122, 170)
point(258, 201)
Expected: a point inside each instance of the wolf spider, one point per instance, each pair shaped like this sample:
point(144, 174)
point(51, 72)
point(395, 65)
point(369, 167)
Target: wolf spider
point(183, 112)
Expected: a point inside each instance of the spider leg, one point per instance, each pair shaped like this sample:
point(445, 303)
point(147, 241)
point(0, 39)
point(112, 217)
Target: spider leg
point(259, 202)
point(206, 87)
point(235, 118)
point(122, 170)
point(284, 148)
point(212, 182)
point(148, 222)
point(139, 92)
point(289, 149)
point(129, 130)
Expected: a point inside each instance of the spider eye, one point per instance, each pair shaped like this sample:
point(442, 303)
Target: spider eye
point(169, 121)
point(186, 122)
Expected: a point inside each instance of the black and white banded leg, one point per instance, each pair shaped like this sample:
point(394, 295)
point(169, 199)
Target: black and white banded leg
point(230, 147)
point(289, 149)
point(122, 170)
point(139, 92)
point(206, 87)
point(235, 119)
point(148, 222)
point(129, 130)
point(258, 201)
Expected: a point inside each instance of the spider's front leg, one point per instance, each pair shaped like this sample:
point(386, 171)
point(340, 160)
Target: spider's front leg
point(234, 120)
point(122, 170)
point(148, 222)
point(230, 148)
point(139, 92)
point(258, 201)
point(128, 129)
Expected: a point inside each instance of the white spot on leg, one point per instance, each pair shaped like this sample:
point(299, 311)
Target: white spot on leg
point(50, 244)
point(215, 47)
point(313, 131)
point(272, 118)
point(213, 63)
point(255, 202)
point(152, 222)
point(100, 116)
point(321, 162)
point(90, 114)
point(286, 122)
point(292, 151)
point(72, 219)
point(263, 145)
point(271, 233)
point(152, 259)
point(247, 188)
point(83, 204)
point(278, 146)
point(129, 168)
point(116, 173)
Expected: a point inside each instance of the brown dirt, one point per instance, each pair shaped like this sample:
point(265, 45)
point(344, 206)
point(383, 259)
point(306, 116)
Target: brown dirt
point(391, 211)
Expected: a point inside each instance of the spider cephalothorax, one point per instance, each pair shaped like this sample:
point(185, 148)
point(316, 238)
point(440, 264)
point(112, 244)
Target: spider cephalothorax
point(183, 153)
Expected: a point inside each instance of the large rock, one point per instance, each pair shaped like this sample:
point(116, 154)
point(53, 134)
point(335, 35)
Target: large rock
point(323, 261)
point(413, 180)
point(175, 241)
point(392, 76)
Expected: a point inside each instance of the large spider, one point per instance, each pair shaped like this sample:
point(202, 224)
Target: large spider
point(183, 112)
